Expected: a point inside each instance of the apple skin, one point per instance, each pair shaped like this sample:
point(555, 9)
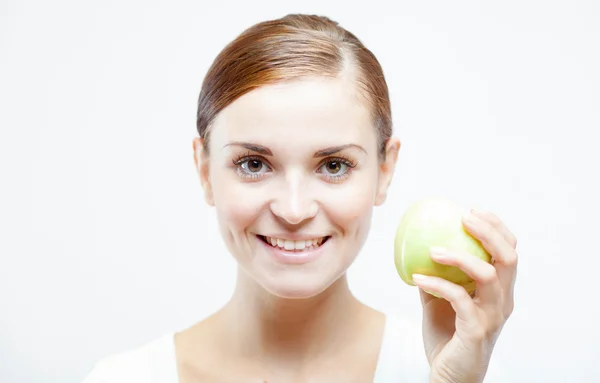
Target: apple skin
point(431, 222)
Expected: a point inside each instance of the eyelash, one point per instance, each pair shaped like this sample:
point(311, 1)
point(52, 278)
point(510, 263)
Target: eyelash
point(249, 157)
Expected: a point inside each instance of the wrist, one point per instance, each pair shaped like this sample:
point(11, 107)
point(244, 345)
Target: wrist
point(446, 376)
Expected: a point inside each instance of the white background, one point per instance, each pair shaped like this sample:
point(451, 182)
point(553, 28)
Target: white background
point(105, 240)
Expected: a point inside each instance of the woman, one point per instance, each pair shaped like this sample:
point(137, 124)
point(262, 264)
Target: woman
point(294, 150)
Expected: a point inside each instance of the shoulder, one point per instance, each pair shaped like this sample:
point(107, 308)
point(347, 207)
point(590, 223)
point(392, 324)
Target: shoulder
point(153, 362)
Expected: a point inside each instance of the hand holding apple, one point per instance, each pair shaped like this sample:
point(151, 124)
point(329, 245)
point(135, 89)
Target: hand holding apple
point(459, 329)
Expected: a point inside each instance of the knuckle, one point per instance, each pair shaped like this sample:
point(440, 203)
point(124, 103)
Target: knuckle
point(488, 274)
point(512, 259)
point(459, 294)
point(495, 221)
point(493, 218)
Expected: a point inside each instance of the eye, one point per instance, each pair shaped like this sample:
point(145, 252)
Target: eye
point(335, 167)
point(253, 166)
point(250, 167)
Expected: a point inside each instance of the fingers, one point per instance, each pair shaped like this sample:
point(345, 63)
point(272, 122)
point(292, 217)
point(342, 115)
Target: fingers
point(458, 297)
point(485, 275)
point(493, 220)
point(504, 255)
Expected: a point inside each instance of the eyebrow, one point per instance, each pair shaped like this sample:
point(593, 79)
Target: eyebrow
point(318, 154)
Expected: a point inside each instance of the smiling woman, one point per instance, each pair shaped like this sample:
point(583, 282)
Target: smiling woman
point(295, 161)
point(294, 150)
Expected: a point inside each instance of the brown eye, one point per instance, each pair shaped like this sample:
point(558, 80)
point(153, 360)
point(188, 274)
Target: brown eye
point(333, 167)
point(253, 166)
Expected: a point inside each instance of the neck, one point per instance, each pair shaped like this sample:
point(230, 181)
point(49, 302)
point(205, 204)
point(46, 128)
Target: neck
point(294, 328)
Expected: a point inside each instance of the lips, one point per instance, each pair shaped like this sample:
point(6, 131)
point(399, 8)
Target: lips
point(301, 256)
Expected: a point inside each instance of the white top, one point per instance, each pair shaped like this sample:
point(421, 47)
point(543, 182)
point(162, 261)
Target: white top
point(402, 359)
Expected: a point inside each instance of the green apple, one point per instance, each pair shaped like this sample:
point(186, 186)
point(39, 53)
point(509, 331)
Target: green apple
point(434, 222)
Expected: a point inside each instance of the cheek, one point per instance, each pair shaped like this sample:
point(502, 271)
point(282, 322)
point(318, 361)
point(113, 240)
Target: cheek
point(237, 205)
point(351, 206)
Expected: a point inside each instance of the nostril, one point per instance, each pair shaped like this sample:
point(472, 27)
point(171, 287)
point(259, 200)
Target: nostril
point(294, 212)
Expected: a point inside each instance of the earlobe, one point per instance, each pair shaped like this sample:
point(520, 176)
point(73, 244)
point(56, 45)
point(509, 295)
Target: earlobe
point(202, 167)
point(386, 170)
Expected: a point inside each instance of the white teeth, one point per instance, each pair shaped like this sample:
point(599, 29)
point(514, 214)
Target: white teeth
point(288, 244)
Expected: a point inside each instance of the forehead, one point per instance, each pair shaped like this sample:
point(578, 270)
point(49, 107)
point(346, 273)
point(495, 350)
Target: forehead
point(327, 110)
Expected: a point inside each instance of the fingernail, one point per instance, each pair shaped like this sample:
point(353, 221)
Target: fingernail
point(419, 277)
point(438, 252)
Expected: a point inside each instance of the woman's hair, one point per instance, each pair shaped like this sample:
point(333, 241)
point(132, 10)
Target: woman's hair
point(290, 48)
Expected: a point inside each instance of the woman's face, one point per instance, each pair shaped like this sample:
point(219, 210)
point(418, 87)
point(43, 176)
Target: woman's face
point(293, 173)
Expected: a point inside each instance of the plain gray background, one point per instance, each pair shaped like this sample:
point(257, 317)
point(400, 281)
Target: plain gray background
point(105, 240)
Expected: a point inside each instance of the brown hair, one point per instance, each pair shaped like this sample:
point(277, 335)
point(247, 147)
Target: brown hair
point(286, 49)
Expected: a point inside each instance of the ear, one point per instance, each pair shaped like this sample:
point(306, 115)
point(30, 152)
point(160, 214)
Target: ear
point(386, 170)
point(202, 167)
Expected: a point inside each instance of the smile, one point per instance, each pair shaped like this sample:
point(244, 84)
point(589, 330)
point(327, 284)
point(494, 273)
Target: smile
point(291, 245)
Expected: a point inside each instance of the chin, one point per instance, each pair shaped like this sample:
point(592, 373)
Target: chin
point(297, 286)
point(300, 277)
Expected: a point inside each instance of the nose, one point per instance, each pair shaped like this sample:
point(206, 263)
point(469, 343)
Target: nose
point(294, 201)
